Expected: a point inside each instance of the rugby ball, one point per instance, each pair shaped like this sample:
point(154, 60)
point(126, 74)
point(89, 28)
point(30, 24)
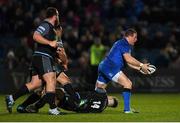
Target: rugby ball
point(151, 69)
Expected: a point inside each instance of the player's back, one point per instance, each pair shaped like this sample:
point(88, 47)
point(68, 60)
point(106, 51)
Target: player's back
point(96, 102)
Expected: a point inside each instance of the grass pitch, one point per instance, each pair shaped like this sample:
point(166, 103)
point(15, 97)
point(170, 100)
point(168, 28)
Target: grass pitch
point(152, 107)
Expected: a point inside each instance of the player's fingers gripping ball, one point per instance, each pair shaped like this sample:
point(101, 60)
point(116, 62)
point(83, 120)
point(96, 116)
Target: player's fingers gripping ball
point(150, 70)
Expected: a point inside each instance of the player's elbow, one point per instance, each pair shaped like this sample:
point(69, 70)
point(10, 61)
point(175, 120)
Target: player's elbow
point(35, 36)
point(127, 58)
point(129, 65)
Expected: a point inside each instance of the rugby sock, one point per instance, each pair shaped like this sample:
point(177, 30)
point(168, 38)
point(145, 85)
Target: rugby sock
point(68, 88)
point(126, 96)
point(39, 104)
point(49, 98)
point(31, 99)
point(22, 91)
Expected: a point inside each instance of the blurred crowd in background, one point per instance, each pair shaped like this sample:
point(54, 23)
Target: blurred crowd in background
point(90, 27)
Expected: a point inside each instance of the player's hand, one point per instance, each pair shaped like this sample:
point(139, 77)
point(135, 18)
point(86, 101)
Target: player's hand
point(60, 53)
point(145, 67)
point(53, 44)
point(150, 70)
point(58, 50)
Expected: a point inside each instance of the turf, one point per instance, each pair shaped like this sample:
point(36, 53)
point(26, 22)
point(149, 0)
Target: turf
point(152, 107)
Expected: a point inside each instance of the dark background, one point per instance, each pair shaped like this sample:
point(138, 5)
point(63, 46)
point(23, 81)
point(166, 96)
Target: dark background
point(156, 21)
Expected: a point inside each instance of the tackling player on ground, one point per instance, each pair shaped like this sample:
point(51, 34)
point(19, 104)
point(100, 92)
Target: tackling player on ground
point(96, 102)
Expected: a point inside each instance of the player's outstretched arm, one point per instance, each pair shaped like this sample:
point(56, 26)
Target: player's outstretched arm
point(134, 67)
point(134, 63)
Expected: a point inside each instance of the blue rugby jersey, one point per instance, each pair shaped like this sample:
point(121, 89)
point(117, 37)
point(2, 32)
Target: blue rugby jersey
point(114, 61)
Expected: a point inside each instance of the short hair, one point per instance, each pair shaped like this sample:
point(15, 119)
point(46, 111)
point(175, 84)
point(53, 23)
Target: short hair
point(130, 32)
point(51, 11)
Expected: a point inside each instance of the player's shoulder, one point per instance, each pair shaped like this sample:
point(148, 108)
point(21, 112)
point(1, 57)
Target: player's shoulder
point(118, 42)
point(43, 28)
point(122, 42)
point(44, 25)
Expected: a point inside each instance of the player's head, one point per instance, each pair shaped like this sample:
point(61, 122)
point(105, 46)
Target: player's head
point(52, 13)
point(131, 36)
point(112, 102)
point(97, 41)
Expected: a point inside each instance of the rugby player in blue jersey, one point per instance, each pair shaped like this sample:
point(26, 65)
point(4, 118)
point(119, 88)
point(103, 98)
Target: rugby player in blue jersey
point(110, 69)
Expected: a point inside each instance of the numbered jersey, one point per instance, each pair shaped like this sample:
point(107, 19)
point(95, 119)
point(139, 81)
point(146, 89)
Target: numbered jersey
point(95, 103)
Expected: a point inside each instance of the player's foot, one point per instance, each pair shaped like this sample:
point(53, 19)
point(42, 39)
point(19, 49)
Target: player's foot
point(21, 109)
point(131, 111)
point(9, 103)
point(54, 111)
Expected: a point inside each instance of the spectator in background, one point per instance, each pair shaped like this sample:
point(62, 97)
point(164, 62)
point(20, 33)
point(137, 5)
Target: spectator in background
point(83, 19)
point(84, 72)
point(23, 51)
point(176, 64)
point(97, 53)
point(11, 60)
point(166, 56)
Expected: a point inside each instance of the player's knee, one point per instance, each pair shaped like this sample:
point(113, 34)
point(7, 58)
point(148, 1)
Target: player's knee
point(128, 85)
point(100, 85)
point(100, 90)
point(63, 80)
point(50, 82)
point(33, 85)
point(49, 77)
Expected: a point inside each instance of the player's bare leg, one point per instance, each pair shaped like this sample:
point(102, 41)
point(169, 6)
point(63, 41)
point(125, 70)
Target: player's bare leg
point(10, 99)
point(49, 97)
point(100, 87)
point(127, 86)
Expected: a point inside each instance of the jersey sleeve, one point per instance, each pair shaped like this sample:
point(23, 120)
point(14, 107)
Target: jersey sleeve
point(43, 29)
point(125, 48)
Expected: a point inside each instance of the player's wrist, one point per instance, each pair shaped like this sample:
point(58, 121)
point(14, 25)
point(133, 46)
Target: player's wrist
point(140, 66)
point(49, 43)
